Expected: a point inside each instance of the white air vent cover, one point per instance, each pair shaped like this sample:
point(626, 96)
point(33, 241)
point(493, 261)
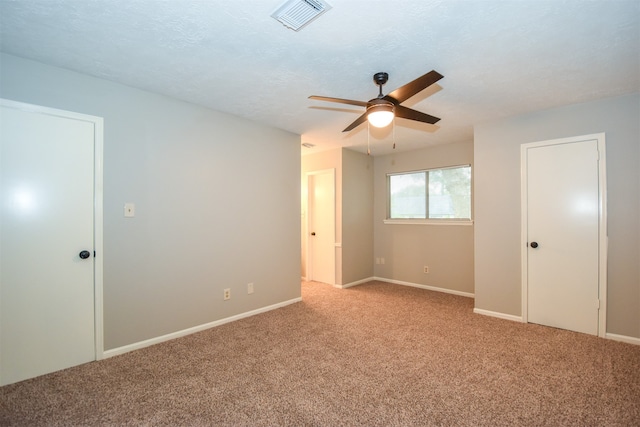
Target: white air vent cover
point(295, 14)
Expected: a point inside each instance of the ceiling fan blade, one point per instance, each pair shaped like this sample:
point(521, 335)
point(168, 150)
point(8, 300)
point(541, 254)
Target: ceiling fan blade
point(358, 122)
point(339, 100)
point(411, 114)
point(407, 91)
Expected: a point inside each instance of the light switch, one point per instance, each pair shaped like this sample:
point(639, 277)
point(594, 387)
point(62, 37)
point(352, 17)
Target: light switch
point(129, 210)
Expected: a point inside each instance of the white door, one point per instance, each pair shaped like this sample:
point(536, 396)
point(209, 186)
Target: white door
point(322, 235)
point(47, 315)
point(563, 212)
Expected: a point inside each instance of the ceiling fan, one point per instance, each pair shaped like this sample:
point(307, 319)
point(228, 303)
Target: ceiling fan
point(381, 110)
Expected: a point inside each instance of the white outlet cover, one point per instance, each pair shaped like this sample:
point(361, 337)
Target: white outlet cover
point(129, 210)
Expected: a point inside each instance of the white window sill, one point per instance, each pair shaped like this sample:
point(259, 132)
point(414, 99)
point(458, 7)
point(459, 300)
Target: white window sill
point(463, 222)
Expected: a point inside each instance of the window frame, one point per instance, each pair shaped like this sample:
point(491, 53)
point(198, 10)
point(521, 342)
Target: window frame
point(428, 221)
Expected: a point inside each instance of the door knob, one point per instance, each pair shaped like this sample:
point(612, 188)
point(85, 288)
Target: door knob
point(534, 245)
point(84, 254)
point(313, 233)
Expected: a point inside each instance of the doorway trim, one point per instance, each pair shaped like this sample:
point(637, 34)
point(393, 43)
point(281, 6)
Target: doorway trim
point(602, 222)
point(309, 267)
point(98, 215)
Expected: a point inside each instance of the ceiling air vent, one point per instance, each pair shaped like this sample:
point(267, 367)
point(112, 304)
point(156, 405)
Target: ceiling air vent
point(295, 14)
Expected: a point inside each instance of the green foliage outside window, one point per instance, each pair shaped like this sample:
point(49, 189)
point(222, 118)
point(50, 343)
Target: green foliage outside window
point(431, 194)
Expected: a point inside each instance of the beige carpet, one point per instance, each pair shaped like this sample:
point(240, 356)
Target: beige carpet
point(373, 355)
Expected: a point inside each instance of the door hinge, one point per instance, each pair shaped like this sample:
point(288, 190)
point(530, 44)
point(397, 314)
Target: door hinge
point(598, 304)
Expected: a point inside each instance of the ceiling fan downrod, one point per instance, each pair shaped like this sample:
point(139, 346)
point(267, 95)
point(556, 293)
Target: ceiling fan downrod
point(380, 79)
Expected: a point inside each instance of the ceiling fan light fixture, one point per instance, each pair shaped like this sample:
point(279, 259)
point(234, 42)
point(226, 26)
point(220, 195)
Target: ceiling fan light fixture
point(380, 114)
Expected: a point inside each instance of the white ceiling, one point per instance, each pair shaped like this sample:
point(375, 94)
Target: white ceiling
point(499, 57)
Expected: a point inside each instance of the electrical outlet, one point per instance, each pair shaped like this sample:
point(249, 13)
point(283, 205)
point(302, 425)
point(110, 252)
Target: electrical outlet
point(249, 288)
point(129, 210)
point(426, 270)
point(227, 294)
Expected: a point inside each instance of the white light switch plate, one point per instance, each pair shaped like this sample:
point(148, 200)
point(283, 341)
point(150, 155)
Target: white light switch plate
point(129, 210)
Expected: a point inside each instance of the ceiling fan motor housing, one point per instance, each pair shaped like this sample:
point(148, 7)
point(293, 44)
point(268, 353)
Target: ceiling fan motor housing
point(379, 104)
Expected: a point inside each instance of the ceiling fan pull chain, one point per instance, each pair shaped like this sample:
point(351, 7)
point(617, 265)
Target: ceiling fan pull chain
point(393, 130)
point(368, 139)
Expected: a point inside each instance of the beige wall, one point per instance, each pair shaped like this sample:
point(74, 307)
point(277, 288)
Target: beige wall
point(446, 249)
point(497, 202)
point(357, 217)
point(216, 196)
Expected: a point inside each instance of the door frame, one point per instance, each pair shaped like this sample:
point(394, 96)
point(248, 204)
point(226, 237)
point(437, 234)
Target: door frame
point(309, 266)
point(602, 222)
point(98, 215)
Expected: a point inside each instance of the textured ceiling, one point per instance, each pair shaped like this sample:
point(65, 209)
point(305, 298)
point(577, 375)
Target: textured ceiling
point(499, 57)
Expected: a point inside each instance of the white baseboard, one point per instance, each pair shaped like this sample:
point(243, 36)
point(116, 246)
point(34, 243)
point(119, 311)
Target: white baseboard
point(427, 287)
point(188, 331)
point(622, 338)
point(358, 282)
point(498, 315)
point(615, 337)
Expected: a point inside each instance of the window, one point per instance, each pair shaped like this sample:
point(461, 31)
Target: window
point(440, 194)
